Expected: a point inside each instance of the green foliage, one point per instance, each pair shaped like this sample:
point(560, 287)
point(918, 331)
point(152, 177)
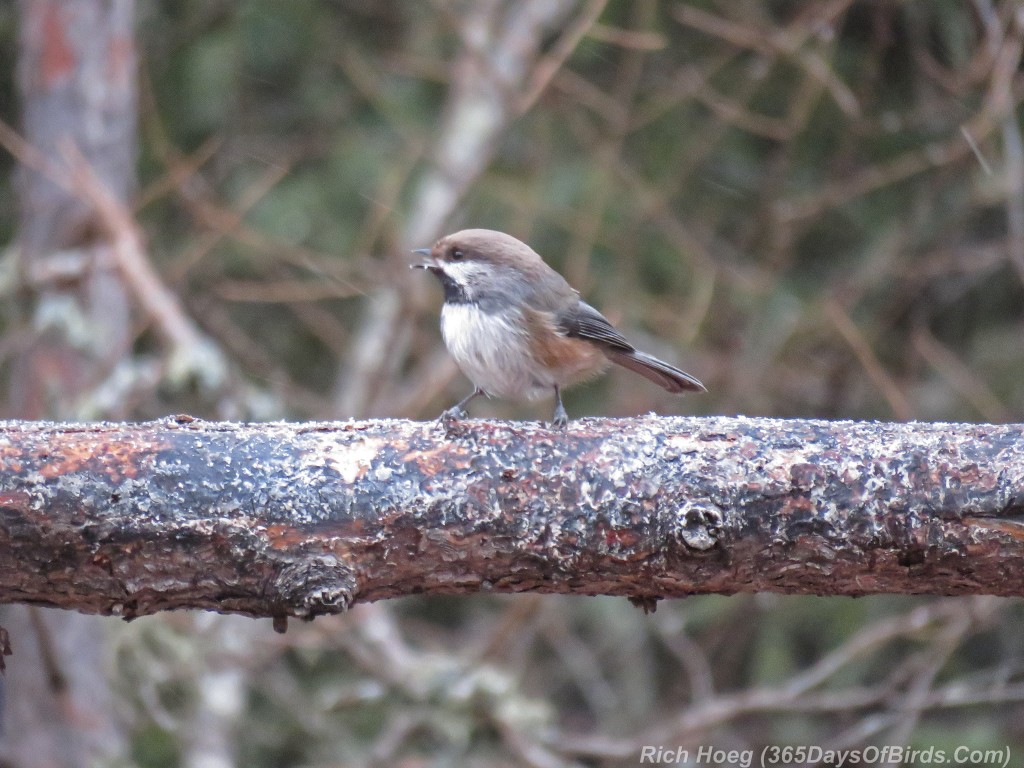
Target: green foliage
point(156, 748)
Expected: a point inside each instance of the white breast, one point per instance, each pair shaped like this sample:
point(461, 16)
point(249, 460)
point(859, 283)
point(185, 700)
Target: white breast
point(492, 350)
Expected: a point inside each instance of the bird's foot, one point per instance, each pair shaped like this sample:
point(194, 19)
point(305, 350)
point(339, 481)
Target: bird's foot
point(455, 422)
point(453, 414)
point(561, 418)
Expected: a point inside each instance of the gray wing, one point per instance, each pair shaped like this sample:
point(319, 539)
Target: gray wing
point(585, 322)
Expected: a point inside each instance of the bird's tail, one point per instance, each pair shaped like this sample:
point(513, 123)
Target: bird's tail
point(664, 375)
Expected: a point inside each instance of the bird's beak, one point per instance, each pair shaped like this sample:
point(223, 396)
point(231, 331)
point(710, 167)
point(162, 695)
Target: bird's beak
point(430, 264)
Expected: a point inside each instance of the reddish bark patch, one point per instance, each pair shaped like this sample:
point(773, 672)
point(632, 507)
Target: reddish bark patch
point(58, 57)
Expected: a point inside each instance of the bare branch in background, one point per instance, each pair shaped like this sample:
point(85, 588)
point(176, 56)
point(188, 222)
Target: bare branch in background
point(193, 355)
point(886, 702)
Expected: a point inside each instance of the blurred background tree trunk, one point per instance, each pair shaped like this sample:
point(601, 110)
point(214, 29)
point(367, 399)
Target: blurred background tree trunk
point(76, 75)
point(78, 87)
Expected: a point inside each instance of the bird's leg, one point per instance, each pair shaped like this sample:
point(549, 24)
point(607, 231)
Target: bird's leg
point(561, 418)
point(458, 411)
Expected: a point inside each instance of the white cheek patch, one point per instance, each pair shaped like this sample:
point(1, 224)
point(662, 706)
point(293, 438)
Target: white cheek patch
point(465, 273)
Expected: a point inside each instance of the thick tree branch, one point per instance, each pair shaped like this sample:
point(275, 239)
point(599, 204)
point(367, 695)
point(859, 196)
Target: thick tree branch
point(305, 519)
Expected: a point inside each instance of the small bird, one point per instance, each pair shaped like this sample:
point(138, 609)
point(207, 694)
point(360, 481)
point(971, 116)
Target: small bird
point(518, 330)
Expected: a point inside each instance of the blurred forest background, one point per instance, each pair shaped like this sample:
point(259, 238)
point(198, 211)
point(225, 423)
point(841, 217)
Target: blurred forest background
point(208, 206)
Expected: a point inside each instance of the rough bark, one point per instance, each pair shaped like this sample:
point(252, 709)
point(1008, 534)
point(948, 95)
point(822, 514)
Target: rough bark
point(305, 519)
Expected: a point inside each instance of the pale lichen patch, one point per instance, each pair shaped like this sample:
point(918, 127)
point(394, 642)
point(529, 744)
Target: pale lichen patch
point(351, 460)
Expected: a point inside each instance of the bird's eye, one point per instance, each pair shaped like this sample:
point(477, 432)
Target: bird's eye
point(458, 255)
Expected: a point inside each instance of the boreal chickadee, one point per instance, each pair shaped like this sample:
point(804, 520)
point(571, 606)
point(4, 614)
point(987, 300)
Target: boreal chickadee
point(518, 330)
